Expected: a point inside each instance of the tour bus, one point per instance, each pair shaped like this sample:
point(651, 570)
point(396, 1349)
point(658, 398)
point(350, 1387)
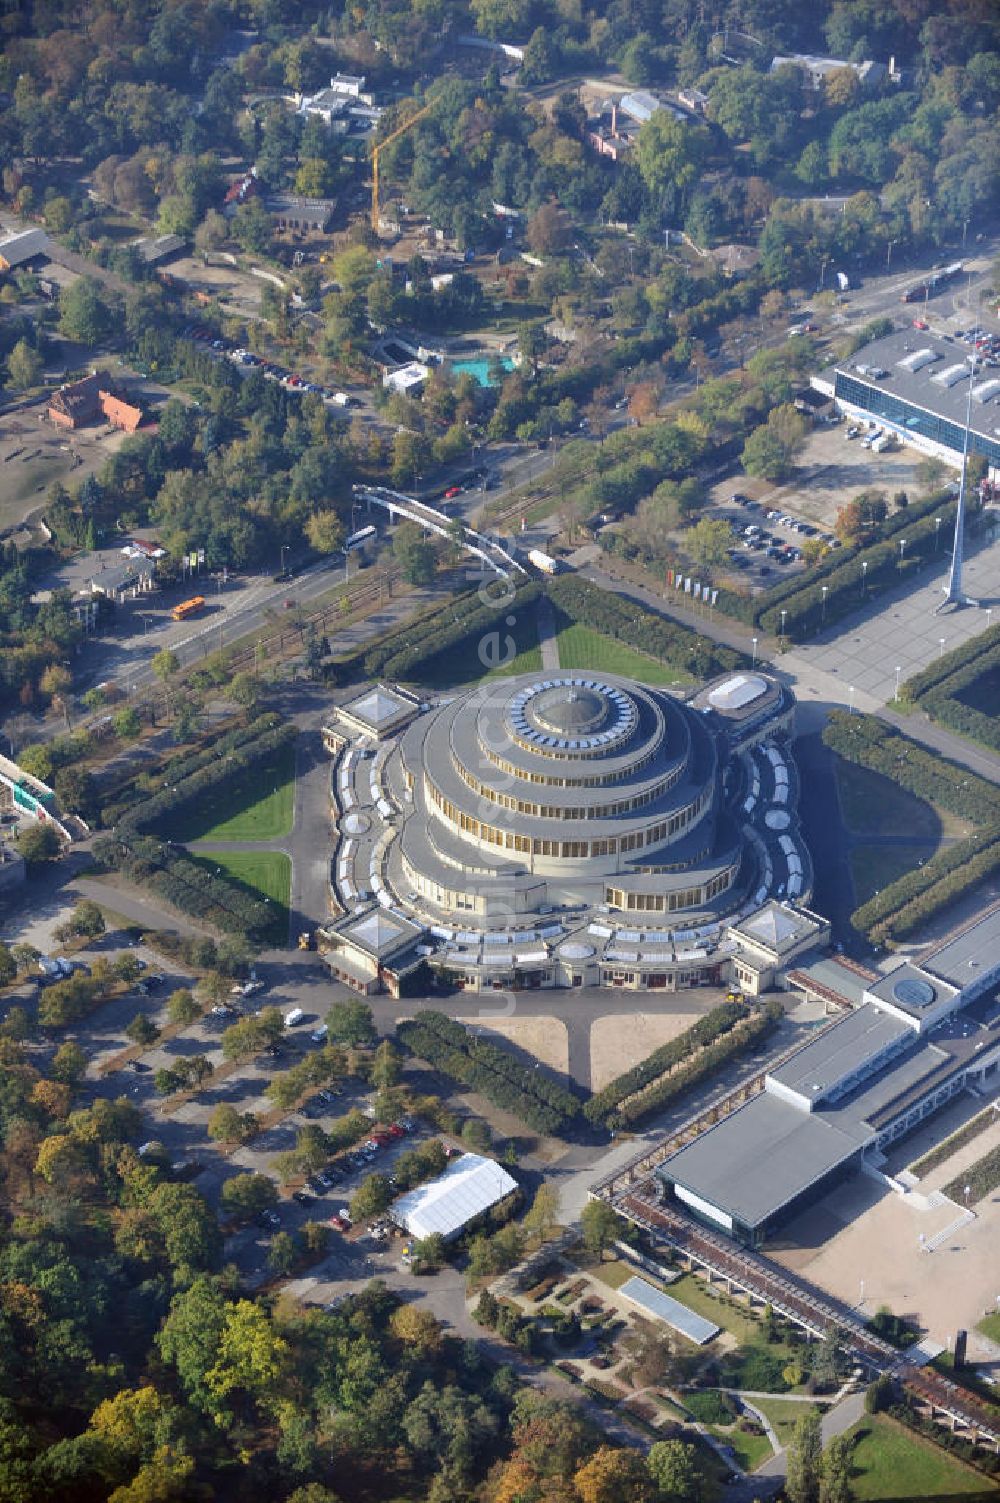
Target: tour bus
point(188, 608)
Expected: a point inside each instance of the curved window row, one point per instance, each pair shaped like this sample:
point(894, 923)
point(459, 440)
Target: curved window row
point(568, 850)
point(671, 902)
point(558, 811)
point(598, 780)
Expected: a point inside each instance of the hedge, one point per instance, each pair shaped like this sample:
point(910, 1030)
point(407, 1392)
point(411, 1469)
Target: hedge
point(942, 700)
point(492, 1071)
point(845, 579)
point(404, 654)
point(186, 884)
point(934, 675)
point(629, 622)
point(871, 743)
point(184, 764)
point(757, 1026)
point(704, 1031)
point(906, 904)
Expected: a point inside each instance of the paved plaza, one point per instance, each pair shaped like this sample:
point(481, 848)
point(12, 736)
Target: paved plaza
point(901, 628)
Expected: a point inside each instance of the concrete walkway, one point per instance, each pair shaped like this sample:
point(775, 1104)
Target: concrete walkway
point(547, 639)
point(835, 1421)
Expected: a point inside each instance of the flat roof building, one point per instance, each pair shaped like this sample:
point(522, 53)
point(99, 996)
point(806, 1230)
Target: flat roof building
point(22, 249)
point(916, 385)
point(372, 950)
point(469, 1187)
point(866, 1080)
point(380, 712)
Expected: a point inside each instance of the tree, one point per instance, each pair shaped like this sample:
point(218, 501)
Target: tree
point(166, 1082)
point(673, 1466)
point(212, 233)
point(69, 1064)
point(127, 968)
point(283, 1253)
point(87, 919)
point(835, 1478)
point(476, 1135)
point(544, 1212)
point(126, 724)
point(130, 1422)
point(804, 1455)
point(416, 1329)
point(414, 554)
point(24, 366)
point(251, 227)
point(182, 1008)
point(670, 156)
point(549, 230)
point(427, 1254)
point(142, 1030)
point(76, 790)
point(84, 316)
point(614, 1476)
point(601, 1225)
point(8, 966)
point(252, 1358)
point(708, 541)
point(371, 1197)
point(246, 1195)
point(350, 1022)
point(387, 1066)
point(227, 1125)
point(165, 664)
point(38, 844)
point(324, 531)
point(769, 449)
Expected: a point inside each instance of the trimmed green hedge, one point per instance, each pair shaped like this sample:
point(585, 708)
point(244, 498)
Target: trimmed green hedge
point(706, 1030)
point(404, 654)
point(906, 904)
point(629, 622)
point(490, 1070)
point(754, 1028)
point(938, 688)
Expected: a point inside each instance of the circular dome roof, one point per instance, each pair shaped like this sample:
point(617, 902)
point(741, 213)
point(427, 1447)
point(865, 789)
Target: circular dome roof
point(356, 823)
point(571, 709)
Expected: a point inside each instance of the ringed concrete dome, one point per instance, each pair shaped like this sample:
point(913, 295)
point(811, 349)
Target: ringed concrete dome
point(566, 790)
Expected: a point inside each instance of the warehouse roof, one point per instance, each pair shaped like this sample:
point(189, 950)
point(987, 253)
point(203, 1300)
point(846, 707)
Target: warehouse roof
point(469, 1186)
point(763, 1156)
point(965, 956)
point(927, 370)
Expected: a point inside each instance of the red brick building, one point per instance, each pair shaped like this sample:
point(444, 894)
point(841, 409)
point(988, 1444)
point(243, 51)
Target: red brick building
point(89, 400)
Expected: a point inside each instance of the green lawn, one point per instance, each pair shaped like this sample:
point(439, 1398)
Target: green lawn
point(874, 805)
point(783, 1414)
point(268, 873)
point(750, 1450)
point(990, 1326)
point(581, 647)
point(691, 1291)
point(613, 1274)
point(874, 866)
point(257, 805)
point(891, 1462)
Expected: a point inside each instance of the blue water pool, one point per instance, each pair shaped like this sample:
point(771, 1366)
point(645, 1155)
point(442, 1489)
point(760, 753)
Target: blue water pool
point(480, 369)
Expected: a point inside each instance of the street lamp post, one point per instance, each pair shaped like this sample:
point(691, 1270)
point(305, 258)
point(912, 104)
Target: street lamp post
point(902, 550)
point(823, 590)
point(784, 613)
point(851, 693)
point(898, 671)
point(941, 642)
point(284, 550)
point(754, 641)
point(989, 616)
point(888, 253)
point(864, 577)
point(937, 534)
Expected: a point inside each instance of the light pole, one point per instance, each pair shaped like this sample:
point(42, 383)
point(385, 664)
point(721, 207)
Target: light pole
point(823, 590)
point(898, 670)
point(989, 616)
point(284, 550)
point(754, 641)
point(941, 642)
point(784, 613)
point(851, 693)
point(902, 550)
point(888, 253)
point(937, 534)
point(864, 577)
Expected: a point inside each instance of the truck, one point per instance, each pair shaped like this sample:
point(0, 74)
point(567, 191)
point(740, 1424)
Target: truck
point(884, 440)
point(843, 281)
point(933, 283)
point(188, 608)
point(542, 562)
point(295, 1016)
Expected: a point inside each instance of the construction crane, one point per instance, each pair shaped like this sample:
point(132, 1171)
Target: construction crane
point(377, 151)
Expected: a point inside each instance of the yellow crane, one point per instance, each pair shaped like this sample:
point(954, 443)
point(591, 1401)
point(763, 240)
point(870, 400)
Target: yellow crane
point(377, 151)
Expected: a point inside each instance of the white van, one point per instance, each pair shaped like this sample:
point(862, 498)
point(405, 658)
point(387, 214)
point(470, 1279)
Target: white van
point(295, 1016)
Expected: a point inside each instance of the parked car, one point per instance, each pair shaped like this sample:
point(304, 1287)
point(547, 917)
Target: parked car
point(302, 1198)
point(269, 1219)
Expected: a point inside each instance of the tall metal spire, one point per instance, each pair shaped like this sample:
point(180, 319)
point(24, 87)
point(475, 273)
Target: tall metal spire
point(953, 589)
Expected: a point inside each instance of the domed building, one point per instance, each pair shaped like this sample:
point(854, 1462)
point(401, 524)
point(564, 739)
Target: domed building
point(541, 827)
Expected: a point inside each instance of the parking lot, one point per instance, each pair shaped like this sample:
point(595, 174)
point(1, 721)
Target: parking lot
point(829, 472)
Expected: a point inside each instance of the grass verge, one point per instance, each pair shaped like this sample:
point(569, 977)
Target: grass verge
point(749, 1451)
point(874, 866)
point(890, 1461)
point(873, 805)
point(965, 1134)
point(583, 648)
point(267, 874)
point(256, 805)
point(782, 1415)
